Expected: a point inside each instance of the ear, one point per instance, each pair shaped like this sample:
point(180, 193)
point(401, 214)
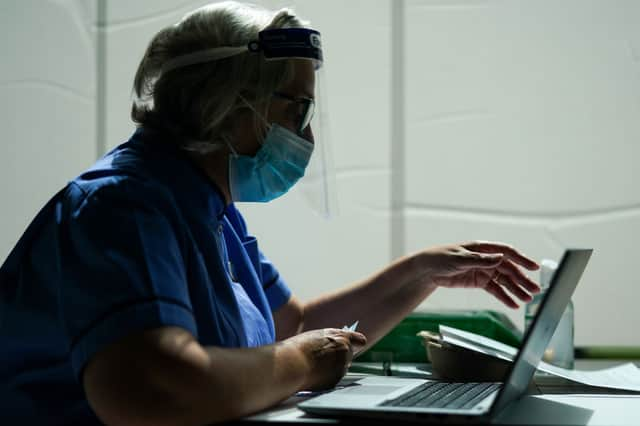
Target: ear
point(243, 135)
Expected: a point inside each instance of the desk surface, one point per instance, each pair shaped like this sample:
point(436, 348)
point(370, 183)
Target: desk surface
point(557, 403)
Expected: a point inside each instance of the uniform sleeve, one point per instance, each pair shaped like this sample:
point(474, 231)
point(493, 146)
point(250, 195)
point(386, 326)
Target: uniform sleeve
point(275, 288)
point(122, 268)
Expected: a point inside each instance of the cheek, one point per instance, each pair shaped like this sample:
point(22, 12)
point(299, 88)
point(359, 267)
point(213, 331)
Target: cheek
point(250, 145)
point(283, 118)
point(289, 126)
point(247, 138)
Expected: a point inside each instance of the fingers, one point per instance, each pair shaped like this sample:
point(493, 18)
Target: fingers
point(499, 293)
point(357, 338)
point(516, 290)
point(346, 338)
point(517, 277)
point(344, 345)
point(505, 249)
point(508, 276)
point(329, 352)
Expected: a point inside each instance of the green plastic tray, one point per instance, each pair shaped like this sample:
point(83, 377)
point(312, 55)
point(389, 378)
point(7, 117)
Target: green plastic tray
point(402, 345)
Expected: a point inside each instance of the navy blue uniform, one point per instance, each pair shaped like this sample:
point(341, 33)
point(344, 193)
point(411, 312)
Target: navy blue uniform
point(141, 240)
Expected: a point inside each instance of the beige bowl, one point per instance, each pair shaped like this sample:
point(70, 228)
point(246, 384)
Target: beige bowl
point(457, 363)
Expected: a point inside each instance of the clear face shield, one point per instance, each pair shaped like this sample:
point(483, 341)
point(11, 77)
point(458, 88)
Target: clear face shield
point(318, 185)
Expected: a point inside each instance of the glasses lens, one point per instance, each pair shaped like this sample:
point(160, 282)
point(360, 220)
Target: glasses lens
point(309, 110)
point(305, 109)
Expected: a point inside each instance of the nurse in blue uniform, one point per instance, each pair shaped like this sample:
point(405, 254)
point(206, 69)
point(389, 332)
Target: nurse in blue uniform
point(138, 296)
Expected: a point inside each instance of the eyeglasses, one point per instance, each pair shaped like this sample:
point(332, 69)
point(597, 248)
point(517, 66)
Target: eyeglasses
point(304, 112)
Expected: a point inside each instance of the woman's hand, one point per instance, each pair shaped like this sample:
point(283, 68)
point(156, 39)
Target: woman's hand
point(494, 267)
point(327, 354)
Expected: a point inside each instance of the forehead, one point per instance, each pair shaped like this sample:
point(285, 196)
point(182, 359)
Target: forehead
point(303, 81)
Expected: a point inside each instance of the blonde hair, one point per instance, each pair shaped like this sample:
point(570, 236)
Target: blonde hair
point(194, 103)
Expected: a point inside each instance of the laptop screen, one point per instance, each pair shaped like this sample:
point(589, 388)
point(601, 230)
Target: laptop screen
point(539, 334)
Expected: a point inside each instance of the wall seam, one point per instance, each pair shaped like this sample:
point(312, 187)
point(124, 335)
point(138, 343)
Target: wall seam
point(397, 142)
point(101, 78)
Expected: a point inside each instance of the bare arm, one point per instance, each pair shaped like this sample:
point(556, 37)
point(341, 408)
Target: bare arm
point(165, 377)
point(378, 302)
point(384, 299)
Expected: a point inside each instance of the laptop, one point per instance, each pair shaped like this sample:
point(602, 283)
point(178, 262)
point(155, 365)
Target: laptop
point(381, 397)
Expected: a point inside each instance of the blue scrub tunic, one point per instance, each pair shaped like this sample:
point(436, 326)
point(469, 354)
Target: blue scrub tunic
point(142, 239)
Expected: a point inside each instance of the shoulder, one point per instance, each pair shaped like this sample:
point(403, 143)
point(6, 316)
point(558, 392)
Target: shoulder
point(116, 197)
point(125, 174)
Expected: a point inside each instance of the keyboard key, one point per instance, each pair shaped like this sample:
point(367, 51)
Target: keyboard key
point(444, 394)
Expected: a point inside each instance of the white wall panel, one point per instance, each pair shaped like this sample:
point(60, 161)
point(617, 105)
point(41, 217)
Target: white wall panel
point(139, 13)
point(537, 93)
point(47, 105)
point(522, 124)
point(606, 303)
point(47, 42)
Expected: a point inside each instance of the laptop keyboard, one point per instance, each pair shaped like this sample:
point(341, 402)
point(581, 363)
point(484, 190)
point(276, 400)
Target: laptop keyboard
point(444, 395)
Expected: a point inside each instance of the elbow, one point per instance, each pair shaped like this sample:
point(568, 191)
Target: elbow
point(145, 402)
point(125, 399)
point(159, 377)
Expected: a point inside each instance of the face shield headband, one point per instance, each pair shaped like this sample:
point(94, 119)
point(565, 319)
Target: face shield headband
point(279, 43)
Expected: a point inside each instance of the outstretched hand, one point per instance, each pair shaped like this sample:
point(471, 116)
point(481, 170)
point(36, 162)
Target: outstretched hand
point(494, 267)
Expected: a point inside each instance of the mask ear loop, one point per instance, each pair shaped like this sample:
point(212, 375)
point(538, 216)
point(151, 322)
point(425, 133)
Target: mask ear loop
point(234, 153)
point(264, 120)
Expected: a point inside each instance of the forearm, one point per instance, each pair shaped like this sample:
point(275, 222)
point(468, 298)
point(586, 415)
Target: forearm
point(243, 381)
point(379, 302)
point(182, 383)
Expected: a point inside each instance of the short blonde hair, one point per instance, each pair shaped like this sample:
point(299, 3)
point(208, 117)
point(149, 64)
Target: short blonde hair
point(194, 103)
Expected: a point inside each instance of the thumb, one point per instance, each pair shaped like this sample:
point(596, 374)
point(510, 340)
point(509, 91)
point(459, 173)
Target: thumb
point(357, 338)
point(482, 260)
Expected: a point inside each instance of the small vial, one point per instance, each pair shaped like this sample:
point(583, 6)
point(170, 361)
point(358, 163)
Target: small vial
point(560, 349)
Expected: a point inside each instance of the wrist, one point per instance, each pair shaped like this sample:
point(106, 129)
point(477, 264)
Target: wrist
point(420, 270)
point(292, 363)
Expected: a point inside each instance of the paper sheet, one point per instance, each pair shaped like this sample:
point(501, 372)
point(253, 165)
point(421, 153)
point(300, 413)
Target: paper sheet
point(625, 376)
point(351, 327)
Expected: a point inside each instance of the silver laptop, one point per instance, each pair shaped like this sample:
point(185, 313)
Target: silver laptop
point(430, 400)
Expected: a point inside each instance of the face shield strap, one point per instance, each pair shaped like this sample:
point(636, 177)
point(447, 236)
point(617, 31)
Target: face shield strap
point(280, 43)
point(203, 56)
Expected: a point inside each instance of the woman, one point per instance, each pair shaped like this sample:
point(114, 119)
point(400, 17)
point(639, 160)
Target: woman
point(137, 296)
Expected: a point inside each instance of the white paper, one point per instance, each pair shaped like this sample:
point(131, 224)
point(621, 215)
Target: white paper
point(625, 376)
point(351, 327)
point(477, 343)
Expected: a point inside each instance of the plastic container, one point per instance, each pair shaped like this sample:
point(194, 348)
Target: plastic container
point(402, 345)
point(560, 350)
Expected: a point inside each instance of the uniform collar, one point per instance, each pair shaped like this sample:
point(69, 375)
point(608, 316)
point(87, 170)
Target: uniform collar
point(191, 185)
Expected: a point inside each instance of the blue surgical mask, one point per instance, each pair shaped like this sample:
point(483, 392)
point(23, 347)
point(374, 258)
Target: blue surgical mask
point(273, 170)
